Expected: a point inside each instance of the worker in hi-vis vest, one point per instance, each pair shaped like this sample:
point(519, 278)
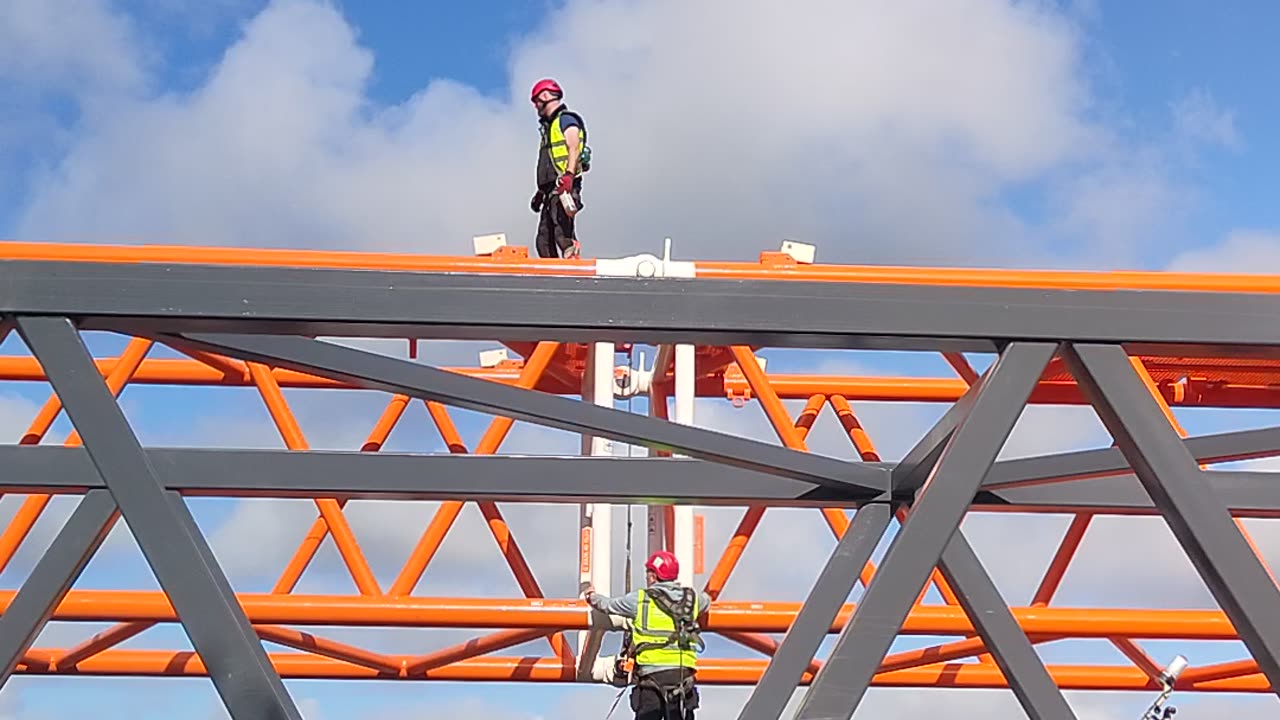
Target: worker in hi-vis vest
point(665, 639)
point(563, 157)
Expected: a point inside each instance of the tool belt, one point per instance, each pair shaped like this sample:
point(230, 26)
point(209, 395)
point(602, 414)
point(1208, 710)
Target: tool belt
point(662, 690)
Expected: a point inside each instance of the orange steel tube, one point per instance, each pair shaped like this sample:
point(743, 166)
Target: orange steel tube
point(1219, 671)
point(790, 437)
point(330, 510)
point(857, 435)
point(711, 671)
point(472, 648)
point(327, 648)
point(448, 511)
point(319, 528)
point(444, 423)
point(108, 638)
point(1052, 579)
point(764, 644)
point(968, 647)
point(230, 369)
point(564, 614)
point(1052, 279)
point(33, 506)
point(166, 371)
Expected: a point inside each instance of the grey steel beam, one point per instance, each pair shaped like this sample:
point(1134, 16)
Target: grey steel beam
point(53, 576)
point(1016, 657)
point(379, 372)
point(1233, 573)
point(161, 523)
point(553, 479)
point(785, 671)
point(916, 549)
point(1107, 462)
point(910, 473)
point(1245, 494)
point(705, 311)
point(386, 476)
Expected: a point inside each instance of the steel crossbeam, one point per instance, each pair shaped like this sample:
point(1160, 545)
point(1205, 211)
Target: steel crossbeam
point(258, 314)
point(721, 312)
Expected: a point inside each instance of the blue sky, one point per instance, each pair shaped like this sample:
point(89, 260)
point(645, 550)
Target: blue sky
point(1043, 134)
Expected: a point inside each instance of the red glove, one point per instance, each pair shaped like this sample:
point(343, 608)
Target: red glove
point(566, 183)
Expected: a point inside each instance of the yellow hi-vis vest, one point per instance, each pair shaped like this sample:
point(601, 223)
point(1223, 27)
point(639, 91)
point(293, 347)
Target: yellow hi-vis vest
point(560, 148)
point(654, 627)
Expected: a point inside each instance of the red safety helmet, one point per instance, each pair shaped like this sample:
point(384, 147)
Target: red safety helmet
point(664, 565)
point(545, 84)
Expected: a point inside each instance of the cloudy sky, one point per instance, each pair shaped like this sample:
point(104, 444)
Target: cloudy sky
point(981, 133)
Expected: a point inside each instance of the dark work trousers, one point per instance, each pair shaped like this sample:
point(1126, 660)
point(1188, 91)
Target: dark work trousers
point(648, 703)
point(556, 231)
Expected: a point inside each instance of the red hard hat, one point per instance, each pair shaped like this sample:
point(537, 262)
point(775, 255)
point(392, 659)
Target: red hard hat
point(545, 84)
point(664, 565)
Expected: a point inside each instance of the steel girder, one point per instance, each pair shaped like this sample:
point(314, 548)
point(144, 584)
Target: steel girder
point(952, 469)
point(314, 301)
point(545, 478)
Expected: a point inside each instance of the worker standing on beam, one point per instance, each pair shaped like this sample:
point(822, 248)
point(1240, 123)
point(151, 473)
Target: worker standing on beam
point(562, 159)
point(665, 639)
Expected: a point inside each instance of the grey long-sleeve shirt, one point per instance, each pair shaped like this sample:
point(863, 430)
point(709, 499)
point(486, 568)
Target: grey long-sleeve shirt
point(627, 606)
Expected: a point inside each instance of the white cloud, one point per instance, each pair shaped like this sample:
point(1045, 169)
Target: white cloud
point(80, 48)
point(1242, 251)
point(840, 144)
point(1199, 117)
point(902, 121)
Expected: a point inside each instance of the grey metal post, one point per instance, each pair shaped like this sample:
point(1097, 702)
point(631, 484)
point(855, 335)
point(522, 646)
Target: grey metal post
point(1233, 573)
point(53, 576)
point(775, 688)
point(249, 685)
point(1014, 654)
point(915, 551)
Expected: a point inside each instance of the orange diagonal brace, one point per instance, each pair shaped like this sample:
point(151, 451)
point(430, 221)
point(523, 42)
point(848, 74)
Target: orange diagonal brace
point(108, 638)
point(474, 647)
point(448, 511)
point(319, 529)
point(764, 644)
point(492, 439)
point(33, 506)
point(867, 451)
point(327, 648)
point(946, 652)
point(791, 437)
point(1052, 579)
point(291, 432)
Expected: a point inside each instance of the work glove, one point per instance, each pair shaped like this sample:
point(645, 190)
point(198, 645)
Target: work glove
point(566, 183)
point(535, 204)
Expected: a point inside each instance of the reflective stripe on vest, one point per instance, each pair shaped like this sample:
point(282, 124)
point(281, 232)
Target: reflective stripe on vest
point(560, 148)
point(652, 625)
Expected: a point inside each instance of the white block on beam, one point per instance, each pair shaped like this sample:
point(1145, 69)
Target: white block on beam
point(800, 252)
point(488, 244)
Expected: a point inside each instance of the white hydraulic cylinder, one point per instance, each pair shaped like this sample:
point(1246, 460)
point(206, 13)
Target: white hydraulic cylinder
point(596, 519)
point(685, 397)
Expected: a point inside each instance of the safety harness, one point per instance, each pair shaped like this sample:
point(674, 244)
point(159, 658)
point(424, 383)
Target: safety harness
point(685, 636)
point(683, 614)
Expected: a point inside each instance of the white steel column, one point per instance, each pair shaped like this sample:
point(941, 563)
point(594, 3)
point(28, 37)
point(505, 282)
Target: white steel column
point(685, 397)
point(657, 525)
point(596, 519)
